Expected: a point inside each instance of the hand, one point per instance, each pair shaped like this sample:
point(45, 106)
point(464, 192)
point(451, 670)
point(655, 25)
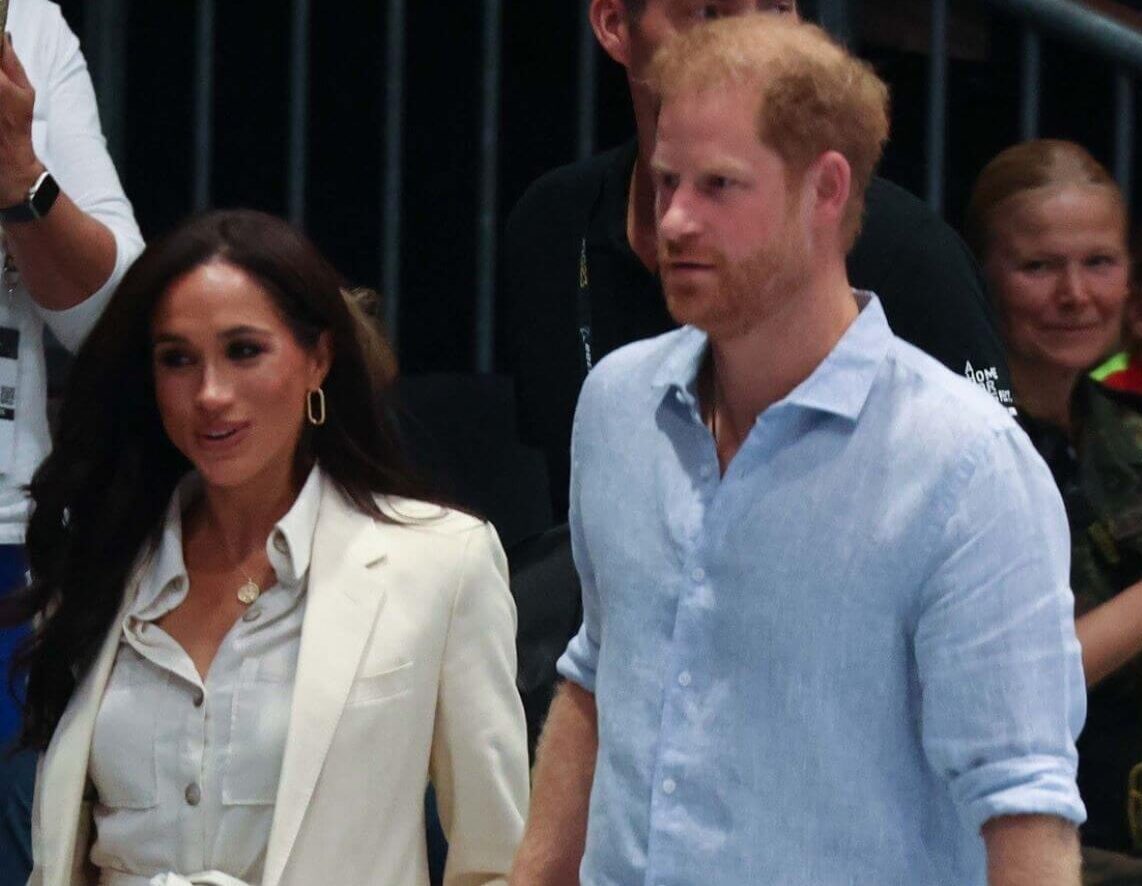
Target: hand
point(19, 166)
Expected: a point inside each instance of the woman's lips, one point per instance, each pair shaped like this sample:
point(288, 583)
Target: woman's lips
point(222, 438)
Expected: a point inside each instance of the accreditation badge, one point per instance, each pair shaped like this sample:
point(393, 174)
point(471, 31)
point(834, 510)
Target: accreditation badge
point(9, 374)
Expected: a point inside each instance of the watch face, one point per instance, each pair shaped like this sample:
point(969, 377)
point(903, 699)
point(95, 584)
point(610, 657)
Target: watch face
point(44, 196)
point(41, 197)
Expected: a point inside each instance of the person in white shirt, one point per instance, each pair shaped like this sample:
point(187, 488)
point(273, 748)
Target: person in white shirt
point(68, 236)
point(258, 638)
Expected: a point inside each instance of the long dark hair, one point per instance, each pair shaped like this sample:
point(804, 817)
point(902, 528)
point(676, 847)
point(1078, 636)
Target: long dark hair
point(99, 498)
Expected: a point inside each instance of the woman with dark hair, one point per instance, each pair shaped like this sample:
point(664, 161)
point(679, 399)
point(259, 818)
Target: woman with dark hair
point(257, 640)
point(1049, 226)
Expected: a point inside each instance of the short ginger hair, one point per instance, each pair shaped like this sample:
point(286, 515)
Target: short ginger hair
point(813, 94)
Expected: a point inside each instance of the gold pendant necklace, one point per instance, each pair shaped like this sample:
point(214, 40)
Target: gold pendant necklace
point(249, 591)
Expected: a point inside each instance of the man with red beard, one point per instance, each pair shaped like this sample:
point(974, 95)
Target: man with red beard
point(580, 259)
point(827, 632)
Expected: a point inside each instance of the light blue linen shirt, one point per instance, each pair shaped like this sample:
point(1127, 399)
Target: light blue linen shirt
point(835, 663)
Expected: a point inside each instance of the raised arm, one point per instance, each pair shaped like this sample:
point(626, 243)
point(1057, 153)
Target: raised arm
point(88, 238)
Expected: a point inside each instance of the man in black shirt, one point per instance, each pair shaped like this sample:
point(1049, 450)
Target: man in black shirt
point(580, 266)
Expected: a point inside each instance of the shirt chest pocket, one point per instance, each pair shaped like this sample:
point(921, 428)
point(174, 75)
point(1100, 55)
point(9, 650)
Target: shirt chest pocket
point(123, 747)
point(259, 721)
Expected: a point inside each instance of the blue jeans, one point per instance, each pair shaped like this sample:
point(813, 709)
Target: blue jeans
point(17, 772)
point(13, 568)
point(17, 783)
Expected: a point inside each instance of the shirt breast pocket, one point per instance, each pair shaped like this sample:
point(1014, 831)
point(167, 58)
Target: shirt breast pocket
point(386, 684)
point(123, 766)
point(259, 721)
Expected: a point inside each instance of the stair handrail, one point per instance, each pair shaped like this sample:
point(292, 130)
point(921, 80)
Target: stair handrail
point(1081, 26)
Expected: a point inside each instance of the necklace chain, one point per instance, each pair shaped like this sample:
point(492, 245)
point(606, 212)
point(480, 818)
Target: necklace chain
point(713, 413)
point(249, 590)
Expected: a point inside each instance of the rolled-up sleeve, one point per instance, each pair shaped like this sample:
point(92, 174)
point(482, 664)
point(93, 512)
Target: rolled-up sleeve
point(580, 662)
point(1000, 669)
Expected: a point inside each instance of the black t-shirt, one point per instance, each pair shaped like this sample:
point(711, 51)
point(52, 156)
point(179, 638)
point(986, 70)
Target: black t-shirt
point(925, 277)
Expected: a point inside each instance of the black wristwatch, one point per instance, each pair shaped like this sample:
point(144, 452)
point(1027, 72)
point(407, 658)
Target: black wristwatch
point(41, 197)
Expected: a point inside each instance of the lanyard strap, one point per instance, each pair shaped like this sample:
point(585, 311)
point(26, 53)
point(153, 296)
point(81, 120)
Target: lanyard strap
point(584, 307)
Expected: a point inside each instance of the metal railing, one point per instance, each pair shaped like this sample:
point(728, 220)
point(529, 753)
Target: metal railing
point(104, 37)
point(1066, 20)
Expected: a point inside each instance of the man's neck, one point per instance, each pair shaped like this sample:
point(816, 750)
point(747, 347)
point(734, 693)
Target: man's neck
point(752, 371)
point(640, 226)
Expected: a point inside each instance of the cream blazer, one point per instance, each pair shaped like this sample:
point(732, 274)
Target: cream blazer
point(406, 674)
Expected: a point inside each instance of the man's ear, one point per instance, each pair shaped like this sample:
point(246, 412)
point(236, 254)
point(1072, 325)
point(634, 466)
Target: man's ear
point(611, 24)
point(830, 178)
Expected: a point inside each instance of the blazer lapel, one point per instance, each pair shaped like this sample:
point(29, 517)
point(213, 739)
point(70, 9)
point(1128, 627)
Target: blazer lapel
point(340, 613)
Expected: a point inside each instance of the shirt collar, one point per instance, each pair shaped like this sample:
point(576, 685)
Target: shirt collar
point(288, 547)
point(294, 533)
point(839, 385)
point(168, 570)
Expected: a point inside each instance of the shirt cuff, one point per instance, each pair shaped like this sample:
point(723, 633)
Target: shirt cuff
point(580, 661)
point(1031, 785)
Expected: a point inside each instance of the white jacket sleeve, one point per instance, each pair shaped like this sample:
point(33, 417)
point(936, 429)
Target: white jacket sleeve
point(479, 753)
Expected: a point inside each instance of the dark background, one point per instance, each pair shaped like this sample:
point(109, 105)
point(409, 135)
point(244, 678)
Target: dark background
point(442, 107)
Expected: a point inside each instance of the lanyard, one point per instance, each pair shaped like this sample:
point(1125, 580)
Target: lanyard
point(583, 305)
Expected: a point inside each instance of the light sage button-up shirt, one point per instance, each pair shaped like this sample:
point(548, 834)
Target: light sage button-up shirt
point(186, 770)
point(835, 663)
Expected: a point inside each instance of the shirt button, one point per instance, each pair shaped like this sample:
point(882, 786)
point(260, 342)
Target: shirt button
point(699, 574)
point(684, 678)
point(668, 786)
point(198, 698)
point(280, 543)
point(252, 614)
point(193, 794)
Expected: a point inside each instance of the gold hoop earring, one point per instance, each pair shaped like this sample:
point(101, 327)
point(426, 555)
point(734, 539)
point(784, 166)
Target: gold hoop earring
point(315, 414)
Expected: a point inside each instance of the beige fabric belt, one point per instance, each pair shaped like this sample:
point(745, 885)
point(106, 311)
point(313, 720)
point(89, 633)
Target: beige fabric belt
point(108, 877)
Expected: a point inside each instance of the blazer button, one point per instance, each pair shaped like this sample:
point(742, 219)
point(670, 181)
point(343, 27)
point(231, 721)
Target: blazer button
point(193, 794)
